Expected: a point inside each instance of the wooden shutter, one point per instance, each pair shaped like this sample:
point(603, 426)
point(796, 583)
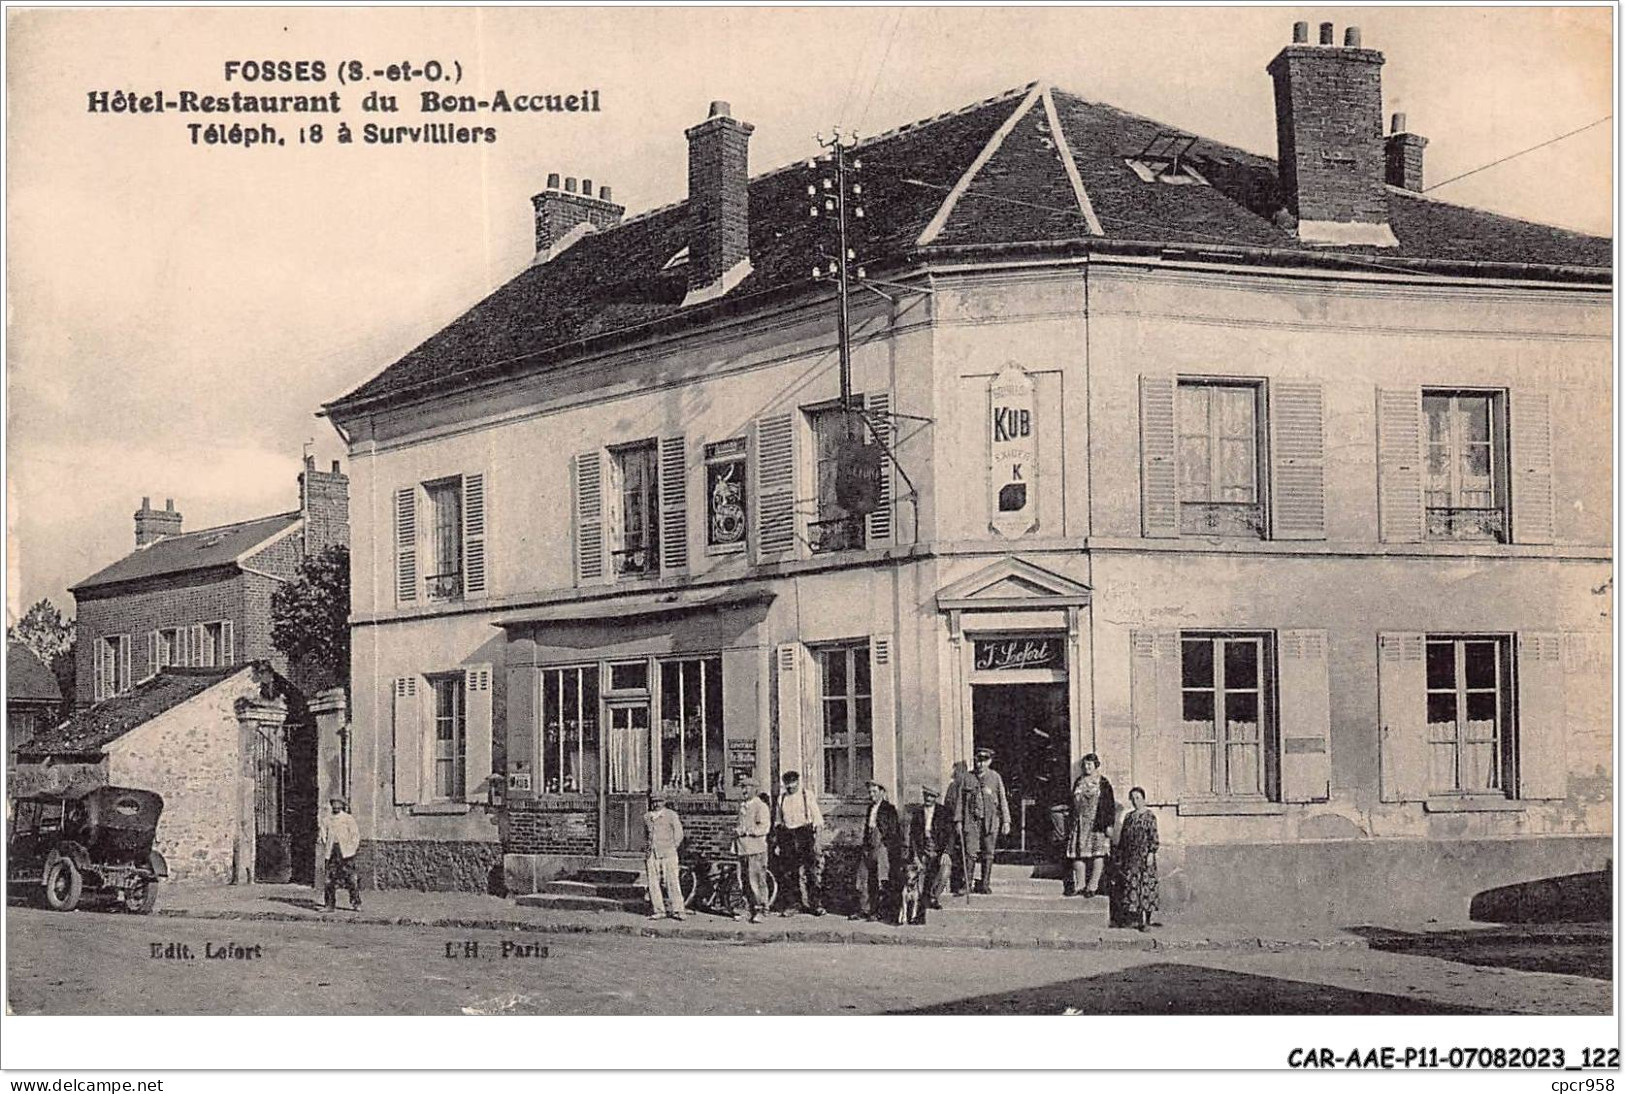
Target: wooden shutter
point(98, 687)
point(1306, 717)
point(125, 642)
point(479, 726)
point(588, 497)
point(883, 705)
point(474, 514)
point(673, 505)
point(1159, 458)
point(1531, 461)
point(788, 667)
point(1543, 768)
point(152, 653)
point(198, 645)
point(773, 475)
point(406, 544)
point(407, 742)
point(1405, 761)
point(1159, 743)
point(227, 643)
point(524, 714)
point(1399, 465)
point(1297, 459)
point(878, 407)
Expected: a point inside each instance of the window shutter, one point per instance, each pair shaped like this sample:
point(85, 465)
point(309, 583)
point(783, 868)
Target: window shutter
point(1306, 717)
point(474, 513)
point(1543, 768)
point(152, 653)
point(883, 707)
point(788, 662)
point(98, 670)
point(406, 544)
point(774, 478)
point(1405, 761)
point(589, 517)
point(1297, 459)
point(673, 505)
point(1158, 758)
point(1159, 458)
point(227, 644)
point(196, 631)
point(524, 721)
point(878, 407)
point(1399, 465)
point(1531, 461)
point(407, 744)
point(124, 645)
point(480, 728)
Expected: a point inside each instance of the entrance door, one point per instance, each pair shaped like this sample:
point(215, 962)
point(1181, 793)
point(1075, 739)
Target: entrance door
point(1026, 727)
point(626, 782)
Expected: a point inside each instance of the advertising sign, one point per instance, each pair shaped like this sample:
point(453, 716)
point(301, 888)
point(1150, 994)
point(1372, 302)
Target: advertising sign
point(1014, 470)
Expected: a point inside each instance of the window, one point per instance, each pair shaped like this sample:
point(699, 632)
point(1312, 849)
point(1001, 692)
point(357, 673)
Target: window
point(112, 666)
point(1228, 715)
point(169, 648)
point(691, 750)
point(450, 736)
point(445, 500)
point(833, 529)
point(1219, 459)
point(1466, 455)
point(569, 760)
point(636, 550)
point(844, 693)
point(1468, 713)
point(213, 645)
point(725, 513)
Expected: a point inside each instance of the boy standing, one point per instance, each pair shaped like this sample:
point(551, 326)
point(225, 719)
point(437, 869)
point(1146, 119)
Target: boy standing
point(664, 832)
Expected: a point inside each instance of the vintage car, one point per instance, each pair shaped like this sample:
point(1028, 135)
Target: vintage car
point(87, 844)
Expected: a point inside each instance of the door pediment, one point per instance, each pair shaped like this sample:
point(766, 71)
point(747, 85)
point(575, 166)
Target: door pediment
point(1012, 582)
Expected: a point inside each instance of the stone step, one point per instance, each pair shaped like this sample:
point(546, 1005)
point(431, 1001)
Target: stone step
point(1022, 904)
point(609, 875)
point(570, 887)
point(571, 903)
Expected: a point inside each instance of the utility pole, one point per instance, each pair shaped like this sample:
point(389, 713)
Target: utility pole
point(837, 199)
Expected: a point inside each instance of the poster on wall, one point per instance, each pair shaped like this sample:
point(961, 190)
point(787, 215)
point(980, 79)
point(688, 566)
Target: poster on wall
point(1014, 460)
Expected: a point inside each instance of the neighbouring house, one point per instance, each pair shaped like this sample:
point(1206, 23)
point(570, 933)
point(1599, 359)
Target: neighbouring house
point(209, 740)
point(1276, 483)
point(33, 697)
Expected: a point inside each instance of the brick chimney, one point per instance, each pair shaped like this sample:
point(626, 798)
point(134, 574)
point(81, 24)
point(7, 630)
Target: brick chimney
point(152, 525)
point(1328, 129)
point(324, 500)
point(565, 214)
point(1404, 156)
point(718, 204)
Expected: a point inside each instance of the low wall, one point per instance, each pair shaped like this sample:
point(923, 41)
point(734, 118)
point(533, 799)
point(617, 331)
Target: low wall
point(442, 865)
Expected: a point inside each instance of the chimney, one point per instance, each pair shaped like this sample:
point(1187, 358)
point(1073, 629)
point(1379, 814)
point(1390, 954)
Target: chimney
point(1404, 156)
point(324, 502)
point(152, 525)
point(1328, 128)
point(718, 205)
point(565, 214)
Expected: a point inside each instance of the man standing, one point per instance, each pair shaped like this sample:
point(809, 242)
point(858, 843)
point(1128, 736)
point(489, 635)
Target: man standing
point(931, 840)
point(882, 847)
point(664, 831)
point(750, 844)
point(799, 822)
point(984, 816)
point(341, 839)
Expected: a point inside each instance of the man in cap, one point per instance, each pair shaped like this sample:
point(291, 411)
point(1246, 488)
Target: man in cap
point(984, 816)
point(931, 841)
point(797, 822)
point(664, 833)
point(881, 850)
point(341, 839)
point(750, 844)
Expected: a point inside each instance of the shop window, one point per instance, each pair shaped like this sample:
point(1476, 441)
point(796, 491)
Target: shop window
point(1468, 724)
point(1228, 715)
point(833, 528)
point(725, 512)
point(569, 760)
point(1219, 459)
point(635, 547)
point(450, 736)
point(691, 748)
point(1466, 473)
point(845, 698)
point(629, 676)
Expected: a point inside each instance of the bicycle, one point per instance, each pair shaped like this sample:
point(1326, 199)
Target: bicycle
point(714, 885)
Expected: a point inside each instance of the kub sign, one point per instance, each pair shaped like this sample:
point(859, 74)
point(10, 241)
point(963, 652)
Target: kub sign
point(1013, 423)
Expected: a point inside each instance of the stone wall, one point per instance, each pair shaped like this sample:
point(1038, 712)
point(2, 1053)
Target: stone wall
point(452, 865)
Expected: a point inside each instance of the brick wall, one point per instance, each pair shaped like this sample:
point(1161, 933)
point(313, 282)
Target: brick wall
point(558, 211)
point(180, 602)
point(718, 198)
point(552, 828)
point(324, 498)
point(1328, 118)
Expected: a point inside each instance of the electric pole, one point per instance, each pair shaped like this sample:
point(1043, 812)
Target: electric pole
point(837, 199)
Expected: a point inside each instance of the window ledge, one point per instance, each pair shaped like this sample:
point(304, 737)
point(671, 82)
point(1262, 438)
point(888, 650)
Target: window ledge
point(1473, 804)
point(439, 809)
point(1231, 808)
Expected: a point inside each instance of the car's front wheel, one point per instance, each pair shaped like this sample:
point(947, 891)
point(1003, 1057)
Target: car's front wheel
point(63, 885)
point(142, 897)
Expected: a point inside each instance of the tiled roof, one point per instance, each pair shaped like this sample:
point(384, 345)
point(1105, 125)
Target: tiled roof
point(201, 550)
point(27, 677)
point(93, 728)
point(614, 281)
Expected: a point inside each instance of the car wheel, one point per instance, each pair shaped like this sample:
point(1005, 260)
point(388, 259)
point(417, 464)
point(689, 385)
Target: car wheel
point(63, 885)
point(142, 897)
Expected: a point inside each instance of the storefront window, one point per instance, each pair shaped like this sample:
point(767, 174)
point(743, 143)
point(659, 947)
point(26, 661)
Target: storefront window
point(691, 748)
point(569, 760)
point(848, 719)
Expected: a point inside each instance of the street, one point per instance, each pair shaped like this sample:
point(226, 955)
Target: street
point(108, 963)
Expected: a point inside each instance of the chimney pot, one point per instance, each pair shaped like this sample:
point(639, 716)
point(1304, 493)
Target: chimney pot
point(169, 505)
point(1300, 33)
point(335, 467)
point(569, 185)
point(146, 503)
point(1351, 38)
point(1326, 34)
point(603, 193)
point(1398, 123)
point(553, 180)
point(586, 187)
point(720, 108)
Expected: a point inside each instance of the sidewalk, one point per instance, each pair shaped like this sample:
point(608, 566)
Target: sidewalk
point(472, 911)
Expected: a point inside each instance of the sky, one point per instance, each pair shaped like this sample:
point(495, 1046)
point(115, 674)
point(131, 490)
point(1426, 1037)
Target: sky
point(177, 312)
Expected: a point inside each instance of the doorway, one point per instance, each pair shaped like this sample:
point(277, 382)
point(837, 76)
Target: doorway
point(626, 785)
point(1026, 727)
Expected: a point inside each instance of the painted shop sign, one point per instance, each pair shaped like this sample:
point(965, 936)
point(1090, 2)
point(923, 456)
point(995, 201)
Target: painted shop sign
point(1014, 463)
point(996, 654)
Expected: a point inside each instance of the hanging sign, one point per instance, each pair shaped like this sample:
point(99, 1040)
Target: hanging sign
point(1014, 471)
point(857, 472)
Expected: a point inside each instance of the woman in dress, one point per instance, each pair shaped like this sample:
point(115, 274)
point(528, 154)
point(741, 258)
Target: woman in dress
point(1094, 811)
point(1137, 863)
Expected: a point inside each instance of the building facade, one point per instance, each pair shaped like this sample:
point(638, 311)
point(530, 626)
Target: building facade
point(1284, 492)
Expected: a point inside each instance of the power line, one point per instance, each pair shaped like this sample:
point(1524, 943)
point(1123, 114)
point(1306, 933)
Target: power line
point(1515, 155)
point(890, 41)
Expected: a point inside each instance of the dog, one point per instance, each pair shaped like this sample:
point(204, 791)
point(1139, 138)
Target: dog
point(911, 904)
